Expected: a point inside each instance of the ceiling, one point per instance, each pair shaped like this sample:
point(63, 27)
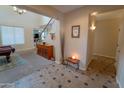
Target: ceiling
point(111, 15)
point(66, 8)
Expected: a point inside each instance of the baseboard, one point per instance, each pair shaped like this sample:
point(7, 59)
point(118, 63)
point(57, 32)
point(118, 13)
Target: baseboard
point(26, 49)
point(58, 62)
point(118, 82)
point(83, 68)
point(104, 55)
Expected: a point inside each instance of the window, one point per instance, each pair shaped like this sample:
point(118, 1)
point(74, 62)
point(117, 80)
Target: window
point(44, 34)
point(19, 35)
point(12, 35)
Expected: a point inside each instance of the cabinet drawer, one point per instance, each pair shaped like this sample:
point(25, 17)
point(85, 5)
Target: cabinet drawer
point(45, 51)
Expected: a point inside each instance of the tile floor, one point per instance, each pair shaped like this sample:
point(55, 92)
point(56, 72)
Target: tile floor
point(59, 76)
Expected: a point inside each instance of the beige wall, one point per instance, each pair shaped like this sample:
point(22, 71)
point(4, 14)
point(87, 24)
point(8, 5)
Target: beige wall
point(90, 42)
point(106, 37)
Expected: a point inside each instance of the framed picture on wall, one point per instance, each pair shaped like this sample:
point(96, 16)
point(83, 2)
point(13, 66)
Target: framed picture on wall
point(75, 31)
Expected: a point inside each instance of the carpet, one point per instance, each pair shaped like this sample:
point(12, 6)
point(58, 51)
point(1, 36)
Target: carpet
point(33, 63)
point(16, 60)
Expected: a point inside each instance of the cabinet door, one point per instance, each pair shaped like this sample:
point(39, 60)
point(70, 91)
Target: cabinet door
point(50, 53)
point(42, 51)
point(45, 52)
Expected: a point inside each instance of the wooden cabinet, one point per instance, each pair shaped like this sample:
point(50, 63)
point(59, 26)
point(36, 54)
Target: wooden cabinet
point(45, 51)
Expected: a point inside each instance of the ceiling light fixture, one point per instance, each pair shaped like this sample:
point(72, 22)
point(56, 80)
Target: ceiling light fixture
point(18, 10)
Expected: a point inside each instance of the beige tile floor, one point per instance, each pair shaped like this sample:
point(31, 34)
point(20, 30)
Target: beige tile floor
point(103, 65)
point(59, 76)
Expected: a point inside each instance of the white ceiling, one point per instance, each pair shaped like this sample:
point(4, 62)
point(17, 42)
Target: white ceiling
point(111, 15)
point(66, 8)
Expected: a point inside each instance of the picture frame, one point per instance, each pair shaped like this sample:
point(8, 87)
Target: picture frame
point(75, 31)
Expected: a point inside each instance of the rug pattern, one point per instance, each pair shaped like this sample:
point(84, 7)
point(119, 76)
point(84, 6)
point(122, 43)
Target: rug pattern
point(16, 60)
point(59, 76)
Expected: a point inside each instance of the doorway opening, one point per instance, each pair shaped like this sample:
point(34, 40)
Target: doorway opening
point(47, 38)
point(32, 28)
point(105, 43)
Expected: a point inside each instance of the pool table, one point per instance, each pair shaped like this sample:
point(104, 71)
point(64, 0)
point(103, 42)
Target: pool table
point(6, 51)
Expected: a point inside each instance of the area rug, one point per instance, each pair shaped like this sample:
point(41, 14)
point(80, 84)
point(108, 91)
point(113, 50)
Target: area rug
point(16, 60)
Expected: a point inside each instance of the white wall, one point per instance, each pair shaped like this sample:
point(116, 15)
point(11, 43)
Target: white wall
point(76, 46)
point(106, 37)
point(120, 70)
point(45, 20)
point(28, 20)
point(56, 41)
